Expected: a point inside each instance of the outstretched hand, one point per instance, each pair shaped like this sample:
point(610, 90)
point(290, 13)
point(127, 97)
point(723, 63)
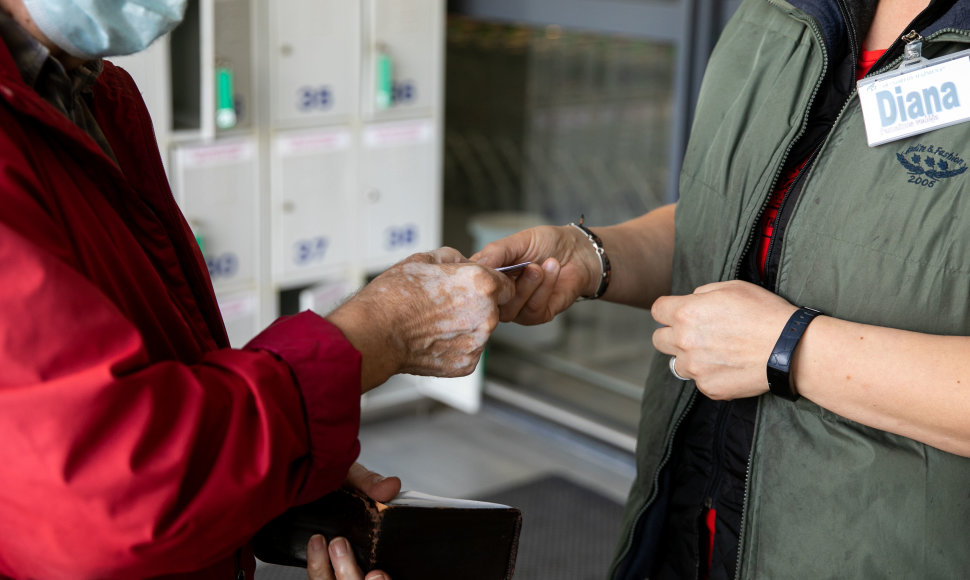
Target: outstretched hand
point(430, 314)
point(563, 269)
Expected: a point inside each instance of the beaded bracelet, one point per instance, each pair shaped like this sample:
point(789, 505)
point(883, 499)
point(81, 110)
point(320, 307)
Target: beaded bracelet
point(605, 268)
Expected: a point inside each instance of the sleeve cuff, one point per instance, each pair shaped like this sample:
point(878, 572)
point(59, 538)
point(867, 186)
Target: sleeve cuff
point(326, 369)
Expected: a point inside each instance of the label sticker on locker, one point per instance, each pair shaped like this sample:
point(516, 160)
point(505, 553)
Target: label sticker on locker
point(312, 183)
point(217, 189)
point(399, 134)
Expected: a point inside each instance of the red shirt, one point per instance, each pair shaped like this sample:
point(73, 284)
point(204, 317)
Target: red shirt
point(133, 442)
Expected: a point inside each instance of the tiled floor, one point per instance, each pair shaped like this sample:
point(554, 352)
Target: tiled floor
point(445, 452)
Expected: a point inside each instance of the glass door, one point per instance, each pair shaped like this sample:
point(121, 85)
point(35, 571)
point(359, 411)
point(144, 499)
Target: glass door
point(557, 108)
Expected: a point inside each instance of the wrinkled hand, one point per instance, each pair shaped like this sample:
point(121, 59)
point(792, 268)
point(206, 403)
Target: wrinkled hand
point(568, 269)
point(444, 309)
point(430, 314)
point(722, 336)
point(336, 561)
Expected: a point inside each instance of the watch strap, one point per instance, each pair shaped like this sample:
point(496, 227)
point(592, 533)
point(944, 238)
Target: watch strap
point(779, 363)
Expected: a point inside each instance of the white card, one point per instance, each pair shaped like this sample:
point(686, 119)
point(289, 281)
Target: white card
point(915, 100)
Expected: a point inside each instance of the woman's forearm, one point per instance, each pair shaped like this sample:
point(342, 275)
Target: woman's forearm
point(912, 384)
point(641, 252)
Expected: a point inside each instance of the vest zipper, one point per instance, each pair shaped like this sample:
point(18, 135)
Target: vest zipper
point(747, 490)
point(770, 275)
point(668, 451)
point(753, 232)
point(820, 39)
point(720, 433)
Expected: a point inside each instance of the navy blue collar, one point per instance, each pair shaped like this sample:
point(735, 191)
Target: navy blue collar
point(958, 16)
point(855, 16)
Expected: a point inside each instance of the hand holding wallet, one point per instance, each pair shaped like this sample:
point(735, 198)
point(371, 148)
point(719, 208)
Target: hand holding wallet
point(413, 537)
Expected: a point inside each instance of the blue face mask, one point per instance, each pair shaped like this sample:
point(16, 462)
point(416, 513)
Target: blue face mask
point(96, 28)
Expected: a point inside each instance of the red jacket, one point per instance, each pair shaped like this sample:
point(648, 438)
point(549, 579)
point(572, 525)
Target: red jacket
point(133, 441)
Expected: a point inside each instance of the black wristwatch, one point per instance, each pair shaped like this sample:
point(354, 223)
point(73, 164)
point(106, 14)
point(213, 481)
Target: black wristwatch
point(779, 363)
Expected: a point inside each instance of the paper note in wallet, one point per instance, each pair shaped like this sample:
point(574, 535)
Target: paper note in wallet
point(413, 537)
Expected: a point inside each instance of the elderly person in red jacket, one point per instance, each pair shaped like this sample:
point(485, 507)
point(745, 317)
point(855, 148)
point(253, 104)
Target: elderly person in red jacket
point(133, 441)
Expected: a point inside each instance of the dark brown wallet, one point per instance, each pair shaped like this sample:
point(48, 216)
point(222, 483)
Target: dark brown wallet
point(414, 537)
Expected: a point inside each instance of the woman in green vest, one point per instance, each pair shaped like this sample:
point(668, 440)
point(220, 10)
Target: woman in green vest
point(806, 412)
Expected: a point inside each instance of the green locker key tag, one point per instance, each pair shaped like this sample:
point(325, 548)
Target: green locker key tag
point(225, 111)
point(384, 90)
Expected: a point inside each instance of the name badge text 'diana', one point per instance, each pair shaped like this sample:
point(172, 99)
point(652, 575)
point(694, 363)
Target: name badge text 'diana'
point(916, 98)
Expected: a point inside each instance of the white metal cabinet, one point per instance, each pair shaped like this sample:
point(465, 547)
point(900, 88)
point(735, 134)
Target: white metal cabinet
point(314, 59)
point(351, 187)
point(217, 187)
point(312, 176)
point(400, 202)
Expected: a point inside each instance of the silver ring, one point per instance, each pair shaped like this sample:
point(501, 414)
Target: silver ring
point(673, 369)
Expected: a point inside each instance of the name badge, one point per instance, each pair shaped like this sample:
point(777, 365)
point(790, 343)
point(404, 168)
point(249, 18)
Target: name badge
point(918, 97)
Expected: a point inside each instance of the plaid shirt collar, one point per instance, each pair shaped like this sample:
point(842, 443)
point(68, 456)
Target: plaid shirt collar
point(67, 91)
point(44, 73)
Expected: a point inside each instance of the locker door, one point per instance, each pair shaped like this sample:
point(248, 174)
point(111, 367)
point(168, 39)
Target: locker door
point(314, 48)
point(401, 206)
point(402, 58)
point(217, 188)
point(313, 177)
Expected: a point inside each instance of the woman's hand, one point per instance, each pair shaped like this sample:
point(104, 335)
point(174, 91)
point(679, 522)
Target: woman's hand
point(722, 336)
point(564, 267)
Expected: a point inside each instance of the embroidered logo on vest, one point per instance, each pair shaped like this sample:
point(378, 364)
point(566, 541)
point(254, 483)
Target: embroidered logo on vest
point(927, 164)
